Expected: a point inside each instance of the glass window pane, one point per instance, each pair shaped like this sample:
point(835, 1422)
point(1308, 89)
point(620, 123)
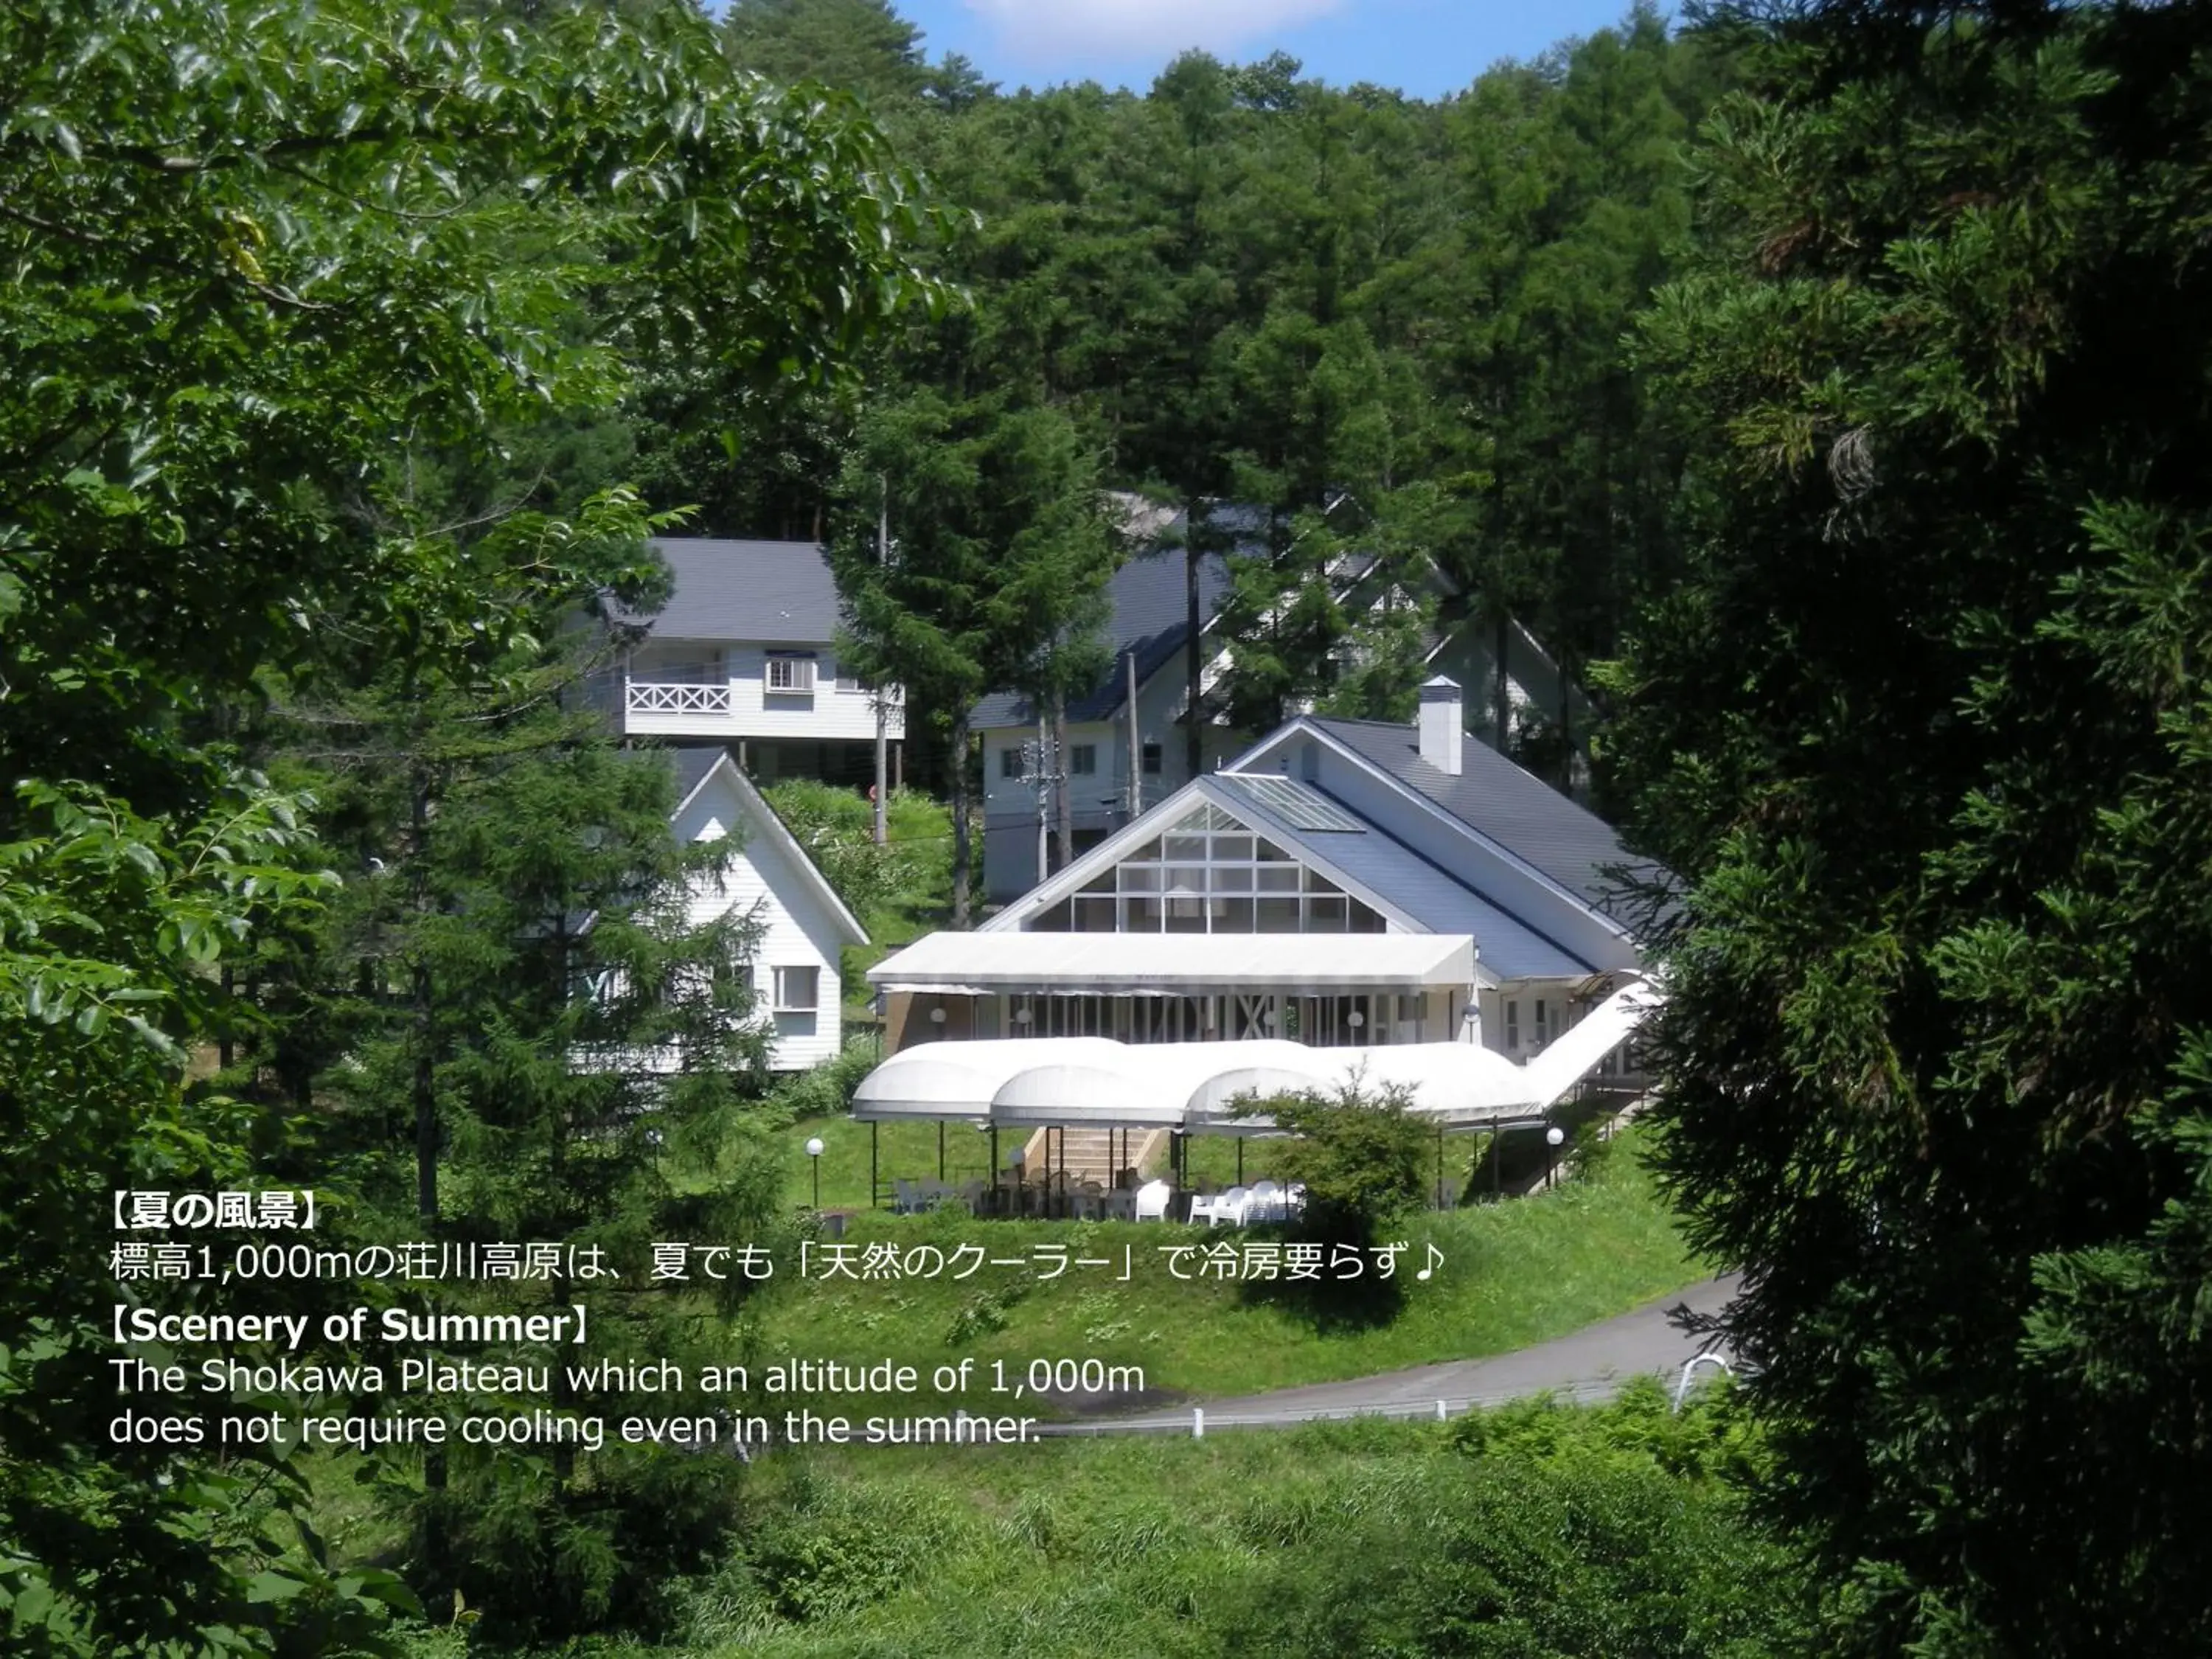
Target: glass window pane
point(1234, 916)
point(1186, 877)
point(1278, 878)
point(1278, 915)
point(1316, 883)
point(1232, 878)
point(1103, 883)
point(1238, 847)
point(1054, 921)
point(1271, 854)
point(1094, 916)
point(1140, 878)
point(1186, 848)
point(1186, 916)
point(1366, 920)
point(1325, 916)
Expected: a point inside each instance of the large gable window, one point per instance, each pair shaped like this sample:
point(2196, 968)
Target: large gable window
point(1209, 874)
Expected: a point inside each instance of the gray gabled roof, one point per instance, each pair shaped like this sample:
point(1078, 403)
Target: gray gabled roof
point(777, 593)
point(1148, 614)
point(1495, 798)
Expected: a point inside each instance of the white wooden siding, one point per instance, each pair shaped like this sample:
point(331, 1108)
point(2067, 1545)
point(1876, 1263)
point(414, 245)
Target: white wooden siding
point(837, 707)
point(797, 930)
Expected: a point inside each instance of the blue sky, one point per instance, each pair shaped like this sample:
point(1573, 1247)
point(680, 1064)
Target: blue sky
point(1424, 47)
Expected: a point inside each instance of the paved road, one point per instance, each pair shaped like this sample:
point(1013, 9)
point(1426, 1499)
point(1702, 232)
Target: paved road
point(1591, 1364)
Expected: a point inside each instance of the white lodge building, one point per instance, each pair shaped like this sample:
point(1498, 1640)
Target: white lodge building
point(1342, 883)
point(743, 656)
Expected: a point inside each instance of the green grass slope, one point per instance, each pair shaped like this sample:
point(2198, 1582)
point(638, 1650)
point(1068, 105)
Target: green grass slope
point(1516, 1272)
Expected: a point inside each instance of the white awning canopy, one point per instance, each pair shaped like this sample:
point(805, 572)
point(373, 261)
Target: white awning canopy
point(1031, 1082)
point(1174, 965)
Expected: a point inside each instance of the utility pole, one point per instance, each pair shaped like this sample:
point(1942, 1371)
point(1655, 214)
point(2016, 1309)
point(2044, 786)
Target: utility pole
point(883, 713)
point(1136, 748)
point(1194, 660)
point(1044, 800)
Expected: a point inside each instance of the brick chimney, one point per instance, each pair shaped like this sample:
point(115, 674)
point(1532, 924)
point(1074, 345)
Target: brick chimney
point(1444, 724)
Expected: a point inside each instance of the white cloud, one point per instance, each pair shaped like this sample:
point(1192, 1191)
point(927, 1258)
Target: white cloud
point(1051, 29)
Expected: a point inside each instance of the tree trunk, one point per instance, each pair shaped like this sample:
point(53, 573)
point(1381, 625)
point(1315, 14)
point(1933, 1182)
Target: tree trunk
point(419, 992)
point(1502, 697)
point(961, 851)
point(1194, 659)
point(1067, 814)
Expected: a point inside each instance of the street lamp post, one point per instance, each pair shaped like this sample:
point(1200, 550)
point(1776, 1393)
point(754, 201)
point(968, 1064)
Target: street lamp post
point(1554, 1137)
point(814, 1156)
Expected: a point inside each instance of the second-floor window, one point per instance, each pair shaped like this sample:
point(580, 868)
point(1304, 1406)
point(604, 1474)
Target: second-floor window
point(1151, 760)
point(1081, 759)
point(787, 671)
point(1010, 762)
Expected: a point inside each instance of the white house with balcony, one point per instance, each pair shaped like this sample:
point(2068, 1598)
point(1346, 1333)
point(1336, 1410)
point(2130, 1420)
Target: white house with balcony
point(744, 657)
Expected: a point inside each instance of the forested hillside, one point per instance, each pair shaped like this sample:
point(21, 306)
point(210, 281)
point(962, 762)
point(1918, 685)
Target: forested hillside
point(1825, 383)
point(1397, 330)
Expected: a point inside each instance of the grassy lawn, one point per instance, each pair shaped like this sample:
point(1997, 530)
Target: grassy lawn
point(1614, 1530)
point(1513, 1273)
point(911, 1150)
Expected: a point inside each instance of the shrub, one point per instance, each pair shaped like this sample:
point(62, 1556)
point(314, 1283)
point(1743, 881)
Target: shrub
point(1363, 1160)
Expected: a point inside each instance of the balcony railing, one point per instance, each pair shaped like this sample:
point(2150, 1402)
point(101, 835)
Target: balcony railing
point(653, 697)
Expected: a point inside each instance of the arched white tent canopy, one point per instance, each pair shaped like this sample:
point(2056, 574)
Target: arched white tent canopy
point(1076, 1082)
point(954, 1081)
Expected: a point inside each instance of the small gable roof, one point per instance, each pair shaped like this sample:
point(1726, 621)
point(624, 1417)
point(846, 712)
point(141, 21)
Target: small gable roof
point(696, 767)
point(778, 593)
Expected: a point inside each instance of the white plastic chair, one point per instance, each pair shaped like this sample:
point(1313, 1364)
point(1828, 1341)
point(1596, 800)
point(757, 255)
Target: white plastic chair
point(1202, 1208)
point(1231, 1207)
point(1267, 1202)
point(906, 1198)
point(1152, 1200)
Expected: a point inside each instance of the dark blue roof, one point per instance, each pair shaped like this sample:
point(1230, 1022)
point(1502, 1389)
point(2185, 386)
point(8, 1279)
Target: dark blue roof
point(1442, 902)
point(1148, 610)
point(1514, 808)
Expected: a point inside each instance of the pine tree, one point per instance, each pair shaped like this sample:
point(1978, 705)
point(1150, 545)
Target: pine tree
point(1925, 732)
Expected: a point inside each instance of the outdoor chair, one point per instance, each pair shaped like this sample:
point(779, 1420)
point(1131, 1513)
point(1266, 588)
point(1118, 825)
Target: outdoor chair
point(906, 1197)
point(1231, 1207)
point(971, 1194)
point(1267, 1202)
point(1152, 1200)
point(1201, 1209)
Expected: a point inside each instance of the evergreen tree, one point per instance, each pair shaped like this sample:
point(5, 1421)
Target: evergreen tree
point(1925, 734)
point(1000, 553)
